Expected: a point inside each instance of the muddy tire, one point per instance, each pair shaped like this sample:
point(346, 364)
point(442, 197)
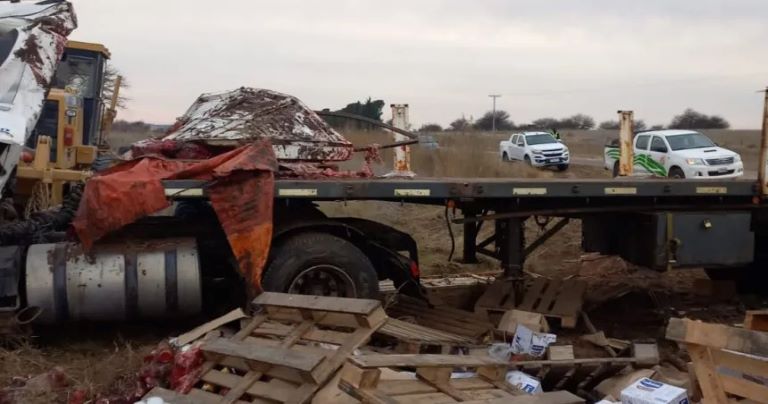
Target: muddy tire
point(562, 167)
point(505, 157)
point(676, 172)
point(320, 264)
point(528, 160)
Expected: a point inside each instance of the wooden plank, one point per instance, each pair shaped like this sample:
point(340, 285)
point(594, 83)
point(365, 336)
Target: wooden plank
point(340, 355)
point(710, 383)
point(499, 294)
point(203, 329)
point(467, 324)
point(549, 297)
point(305, 362)
point(403, 387)
point(745, 388)
point(553, 397)
point(318, 303)
point(314, 335)
point(169, 396)
point(368, 396)
point(718, 336)
point(381, 361)
point(572, 362)
point(571, 298)
point(749, 365)
point(756, 320)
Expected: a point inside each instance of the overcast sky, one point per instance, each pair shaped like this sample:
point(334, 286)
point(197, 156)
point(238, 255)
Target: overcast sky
point(547, 58)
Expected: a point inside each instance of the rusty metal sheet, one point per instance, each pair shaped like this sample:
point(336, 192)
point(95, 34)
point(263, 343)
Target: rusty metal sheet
point(246, 114)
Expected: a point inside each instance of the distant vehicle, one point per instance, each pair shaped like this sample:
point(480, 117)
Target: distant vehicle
point(538, 149)
point(428, 142)
point(677, 154)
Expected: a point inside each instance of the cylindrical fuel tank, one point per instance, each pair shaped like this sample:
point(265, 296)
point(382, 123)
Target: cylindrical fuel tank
point(114, 282)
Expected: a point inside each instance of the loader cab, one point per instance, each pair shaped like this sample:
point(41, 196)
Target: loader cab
point(73, 109)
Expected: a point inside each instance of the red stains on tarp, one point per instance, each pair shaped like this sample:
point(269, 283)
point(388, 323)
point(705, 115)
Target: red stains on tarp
point(242, 196)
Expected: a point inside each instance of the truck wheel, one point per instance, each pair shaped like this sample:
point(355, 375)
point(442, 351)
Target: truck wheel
point(562, 167)
point(505, 157)
point(615, 169)
point(676, 172)
point(528, 160)
point(320, 264)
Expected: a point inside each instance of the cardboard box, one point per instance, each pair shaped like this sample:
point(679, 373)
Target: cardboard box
point(524, 382)
point(512, 318)
point(531, 343)
point(647, 391)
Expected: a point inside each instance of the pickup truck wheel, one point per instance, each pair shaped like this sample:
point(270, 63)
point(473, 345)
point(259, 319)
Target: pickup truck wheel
point(615, 169)
point(562, 167)
point(320, 264)
point(676, 172)
point(505, 157)
point(528, 160)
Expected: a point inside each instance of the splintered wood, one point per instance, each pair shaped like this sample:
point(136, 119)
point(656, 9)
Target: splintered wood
point(362, 378)
point(443, 318)
point(726, 360)
point(413, 337)
point(288, 351)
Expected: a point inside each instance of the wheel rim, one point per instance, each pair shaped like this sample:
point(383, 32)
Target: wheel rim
point(323, 280)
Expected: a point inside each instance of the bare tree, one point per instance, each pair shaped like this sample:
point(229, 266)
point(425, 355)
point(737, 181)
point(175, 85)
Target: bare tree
point(108, 88)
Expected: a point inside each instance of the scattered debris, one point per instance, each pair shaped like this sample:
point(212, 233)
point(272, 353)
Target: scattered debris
point(647, 391)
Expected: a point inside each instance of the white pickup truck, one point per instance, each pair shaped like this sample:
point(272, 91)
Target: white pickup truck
point(539, 149)
point(677, 154)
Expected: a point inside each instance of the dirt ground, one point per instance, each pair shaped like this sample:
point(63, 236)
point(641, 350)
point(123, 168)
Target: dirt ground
point(101, 360)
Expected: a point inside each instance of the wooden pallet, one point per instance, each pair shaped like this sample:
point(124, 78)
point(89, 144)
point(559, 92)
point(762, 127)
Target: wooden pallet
point(362, 379)
point(288, 351)
point(726, 360)
point(413, 338)
point(555, 298)
point(497, 299)
point(443, 318)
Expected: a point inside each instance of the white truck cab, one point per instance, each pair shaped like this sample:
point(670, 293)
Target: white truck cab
point(539, 149)
point(678, 154)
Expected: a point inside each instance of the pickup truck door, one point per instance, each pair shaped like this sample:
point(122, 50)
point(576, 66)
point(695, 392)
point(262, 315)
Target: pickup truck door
point(658, 156)
point(518, 149)
point(641, 154)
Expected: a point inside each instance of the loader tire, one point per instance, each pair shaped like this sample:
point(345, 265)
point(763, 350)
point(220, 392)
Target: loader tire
point(320, 264)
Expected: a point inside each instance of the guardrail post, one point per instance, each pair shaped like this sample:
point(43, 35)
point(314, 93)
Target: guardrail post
point(402, 166)
point(626, 157)
point(761, 169)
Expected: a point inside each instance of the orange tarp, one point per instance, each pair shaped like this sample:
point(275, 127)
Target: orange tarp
point(241, 193)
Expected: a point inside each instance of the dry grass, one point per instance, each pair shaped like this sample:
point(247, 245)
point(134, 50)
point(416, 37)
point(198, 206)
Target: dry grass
point(89, 366)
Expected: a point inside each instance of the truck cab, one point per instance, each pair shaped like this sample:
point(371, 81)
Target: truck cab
point(677, 154)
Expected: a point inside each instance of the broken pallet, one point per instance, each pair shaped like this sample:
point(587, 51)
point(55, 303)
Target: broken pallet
point(288, 351)
point(362, 379)
point(726, 360)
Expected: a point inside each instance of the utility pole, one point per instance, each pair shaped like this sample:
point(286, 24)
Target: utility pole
point(493, 121)
point(762, 175)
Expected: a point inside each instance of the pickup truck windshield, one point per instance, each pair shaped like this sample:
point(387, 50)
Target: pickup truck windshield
point(540, 139)
point(689, 141)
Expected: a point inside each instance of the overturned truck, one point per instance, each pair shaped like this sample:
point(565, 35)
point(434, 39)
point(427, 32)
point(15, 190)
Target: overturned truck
point(107, 254)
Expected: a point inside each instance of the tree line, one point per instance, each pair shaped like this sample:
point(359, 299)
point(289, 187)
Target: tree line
point(688, 119)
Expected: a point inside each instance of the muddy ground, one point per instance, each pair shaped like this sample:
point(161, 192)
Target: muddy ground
point(628, 302)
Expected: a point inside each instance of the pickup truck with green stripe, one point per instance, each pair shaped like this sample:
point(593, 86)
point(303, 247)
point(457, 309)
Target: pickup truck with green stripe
point(676, 154)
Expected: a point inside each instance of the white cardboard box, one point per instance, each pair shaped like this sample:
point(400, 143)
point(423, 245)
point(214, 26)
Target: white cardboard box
point(532, 343)
point(647, 391)
point(524, 382)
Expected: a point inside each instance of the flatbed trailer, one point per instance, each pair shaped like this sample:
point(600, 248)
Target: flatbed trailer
point(658, 223)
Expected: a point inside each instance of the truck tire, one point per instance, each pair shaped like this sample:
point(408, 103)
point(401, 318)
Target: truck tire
point(676, 172)
point(528, 160)
point(320, 264)
point(562, 167)
point(504, 157)
point(616, 169)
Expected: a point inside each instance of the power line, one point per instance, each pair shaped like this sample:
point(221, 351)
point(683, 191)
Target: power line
point(493, 119)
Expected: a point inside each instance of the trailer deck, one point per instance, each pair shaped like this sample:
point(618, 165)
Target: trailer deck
point(426, 189)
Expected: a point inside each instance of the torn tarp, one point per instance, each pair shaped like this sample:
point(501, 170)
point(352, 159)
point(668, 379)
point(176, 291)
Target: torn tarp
point(235, 117)
point(242, 196)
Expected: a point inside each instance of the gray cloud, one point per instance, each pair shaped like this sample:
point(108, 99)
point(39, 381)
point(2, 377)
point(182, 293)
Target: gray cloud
point(549, 58)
